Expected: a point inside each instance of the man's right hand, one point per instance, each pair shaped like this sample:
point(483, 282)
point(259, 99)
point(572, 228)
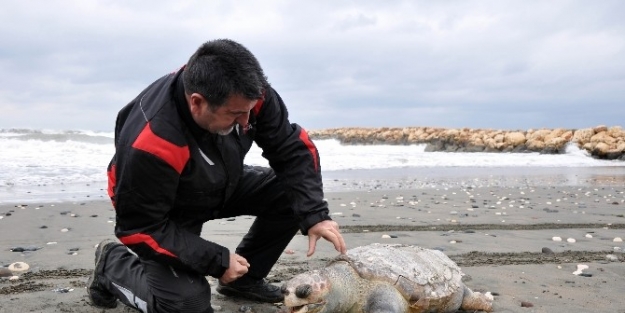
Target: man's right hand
point(237, 268)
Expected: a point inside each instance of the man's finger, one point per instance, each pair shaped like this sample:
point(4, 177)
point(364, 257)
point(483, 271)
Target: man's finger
point(312, 244)
point(342, 246)
point(337, 240)
point(339, 243)
point(241, 260)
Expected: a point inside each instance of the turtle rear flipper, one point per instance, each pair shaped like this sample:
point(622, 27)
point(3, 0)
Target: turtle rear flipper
point(477, 301)
point(385, 298)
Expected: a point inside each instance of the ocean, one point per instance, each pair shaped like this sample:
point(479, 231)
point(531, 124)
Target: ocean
point(70, 165)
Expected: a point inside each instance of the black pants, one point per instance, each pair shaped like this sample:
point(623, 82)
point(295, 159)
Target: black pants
point(153, 287)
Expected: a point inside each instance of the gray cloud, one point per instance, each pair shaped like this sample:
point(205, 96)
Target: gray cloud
point(487, 64)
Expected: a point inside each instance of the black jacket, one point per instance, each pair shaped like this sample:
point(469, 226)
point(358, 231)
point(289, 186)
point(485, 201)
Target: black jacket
point(168, 176)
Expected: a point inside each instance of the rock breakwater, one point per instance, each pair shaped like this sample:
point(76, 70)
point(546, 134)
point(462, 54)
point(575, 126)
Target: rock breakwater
point(601, 142)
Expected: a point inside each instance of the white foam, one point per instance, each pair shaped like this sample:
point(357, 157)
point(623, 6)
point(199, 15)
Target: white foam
point(335, 156)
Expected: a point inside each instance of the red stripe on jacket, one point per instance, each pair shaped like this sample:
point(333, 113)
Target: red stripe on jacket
point(303, 136)
point(146, 239)
point(174, 155)
point(112, 180)
point(258, 105)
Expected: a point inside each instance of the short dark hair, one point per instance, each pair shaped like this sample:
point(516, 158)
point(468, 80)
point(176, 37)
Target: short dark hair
point(221, 68)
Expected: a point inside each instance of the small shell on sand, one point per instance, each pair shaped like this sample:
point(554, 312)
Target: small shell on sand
point(18, 267)
point(556, 238)
point(588, 236)
point(617, 239)
point(571, 240)
point(580, 268)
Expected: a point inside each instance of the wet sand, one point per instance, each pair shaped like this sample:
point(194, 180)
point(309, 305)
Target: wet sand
point(501, 236)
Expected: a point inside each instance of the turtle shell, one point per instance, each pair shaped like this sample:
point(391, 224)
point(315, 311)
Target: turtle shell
point(415, 272)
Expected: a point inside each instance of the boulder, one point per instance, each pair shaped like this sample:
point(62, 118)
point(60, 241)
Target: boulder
point(601, 149)
point(602, 137)
point(535, 144)
point(515, 138)
point(616, 132)
point(582, 136)
point(556, 133)
point(600, 128)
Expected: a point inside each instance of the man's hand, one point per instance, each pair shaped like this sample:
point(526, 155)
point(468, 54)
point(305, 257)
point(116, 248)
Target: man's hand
point(328, 230)
point(237, 268)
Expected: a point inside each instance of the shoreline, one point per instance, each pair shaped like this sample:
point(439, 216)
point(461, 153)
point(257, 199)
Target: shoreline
point(370, 179)
point(497, 235)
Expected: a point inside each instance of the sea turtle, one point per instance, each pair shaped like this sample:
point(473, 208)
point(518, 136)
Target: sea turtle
point(384, 278)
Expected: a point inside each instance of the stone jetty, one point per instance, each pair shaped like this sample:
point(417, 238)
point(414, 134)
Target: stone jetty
point(601, 142)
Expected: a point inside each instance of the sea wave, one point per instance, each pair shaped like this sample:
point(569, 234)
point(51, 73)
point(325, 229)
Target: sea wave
point(19, 131)
point(44, 135)
point(34, 157)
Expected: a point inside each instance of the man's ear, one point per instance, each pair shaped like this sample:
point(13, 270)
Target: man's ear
point(195, 103)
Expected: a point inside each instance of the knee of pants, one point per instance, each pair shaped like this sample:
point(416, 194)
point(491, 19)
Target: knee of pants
point(199, 302)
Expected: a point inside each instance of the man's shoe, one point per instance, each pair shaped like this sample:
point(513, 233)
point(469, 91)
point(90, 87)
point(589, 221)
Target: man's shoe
point(99, 296)
point(252, 289)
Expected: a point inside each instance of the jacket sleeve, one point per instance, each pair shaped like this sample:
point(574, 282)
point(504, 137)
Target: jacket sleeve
point(144, 193)
point(294, 158)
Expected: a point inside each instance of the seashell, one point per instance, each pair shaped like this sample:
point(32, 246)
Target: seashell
point(18, 267)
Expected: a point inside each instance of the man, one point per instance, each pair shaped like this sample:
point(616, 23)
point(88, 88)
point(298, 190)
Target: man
point(178, 163)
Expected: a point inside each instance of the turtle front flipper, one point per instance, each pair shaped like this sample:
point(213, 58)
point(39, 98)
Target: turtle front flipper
point(477, 301)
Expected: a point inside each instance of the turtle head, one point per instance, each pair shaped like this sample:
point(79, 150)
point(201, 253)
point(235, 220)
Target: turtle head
point(307, 293)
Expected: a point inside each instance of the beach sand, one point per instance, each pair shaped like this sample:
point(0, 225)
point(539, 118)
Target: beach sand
point(496, 234)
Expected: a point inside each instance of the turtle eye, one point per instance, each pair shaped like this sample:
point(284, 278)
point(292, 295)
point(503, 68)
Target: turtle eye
point(303, 291)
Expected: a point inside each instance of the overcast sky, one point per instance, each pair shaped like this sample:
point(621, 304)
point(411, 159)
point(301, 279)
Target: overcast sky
point(479, 64)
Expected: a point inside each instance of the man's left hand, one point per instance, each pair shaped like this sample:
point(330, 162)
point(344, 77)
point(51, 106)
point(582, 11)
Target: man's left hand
point(328, 230)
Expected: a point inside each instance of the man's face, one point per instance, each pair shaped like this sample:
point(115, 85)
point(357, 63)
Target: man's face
point(221, 120)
